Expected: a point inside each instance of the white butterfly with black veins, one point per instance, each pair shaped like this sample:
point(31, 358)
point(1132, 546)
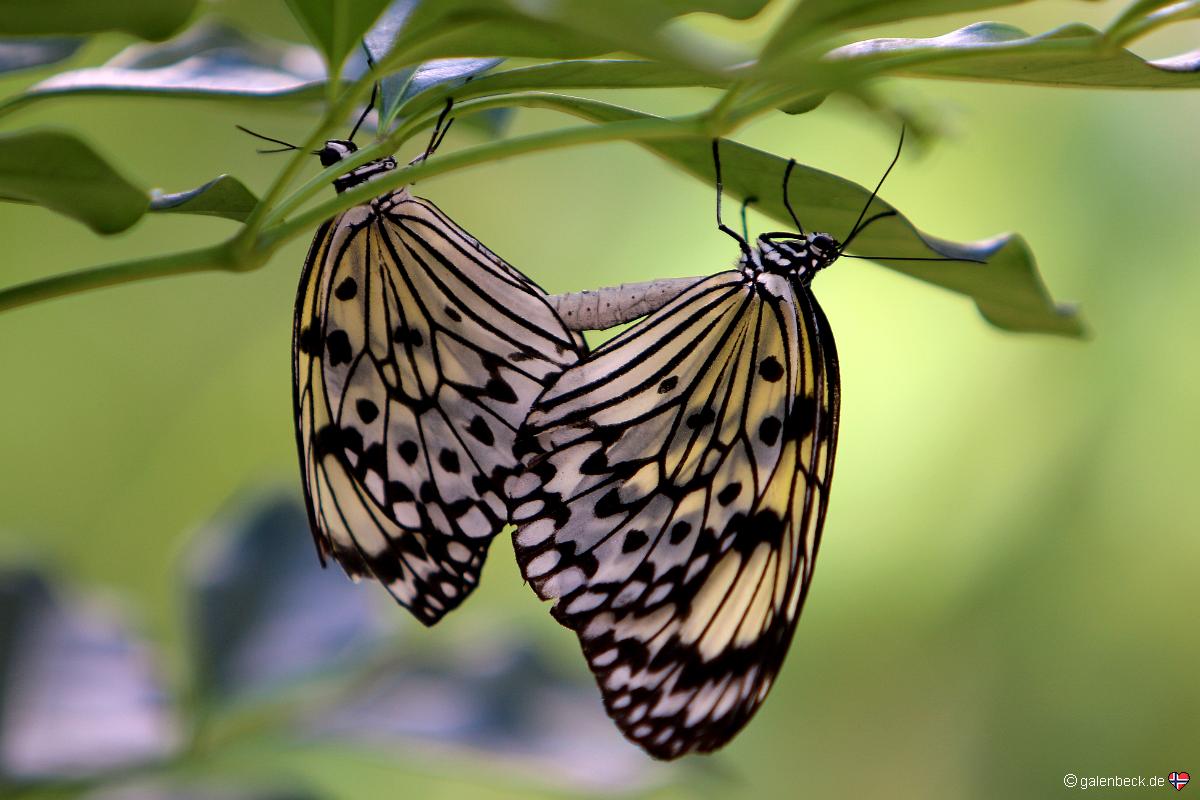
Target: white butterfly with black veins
point(417, 353)
point(675, 489)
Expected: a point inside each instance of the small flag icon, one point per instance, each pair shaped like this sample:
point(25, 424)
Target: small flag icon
point(1178, 780)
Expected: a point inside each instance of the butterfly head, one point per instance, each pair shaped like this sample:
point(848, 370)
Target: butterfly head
point(336, 150)
point(803, 255)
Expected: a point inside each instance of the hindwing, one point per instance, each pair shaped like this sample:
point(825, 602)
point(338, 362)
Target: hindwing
point(675, 487)
point(417, 354)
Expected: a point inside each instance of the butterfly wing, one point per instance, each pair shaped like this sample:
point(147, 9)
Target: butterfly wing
point(417, 354)
point(673, 504)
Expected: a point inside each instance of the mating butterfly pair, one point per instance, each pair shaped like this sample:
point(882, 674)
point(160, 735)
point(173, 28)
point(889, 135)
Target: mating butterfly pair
point(668, 489)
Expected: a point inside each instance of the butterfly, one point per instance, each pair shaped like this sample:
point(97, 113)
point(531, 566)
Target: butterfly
point(417, 353)
point(675, 488)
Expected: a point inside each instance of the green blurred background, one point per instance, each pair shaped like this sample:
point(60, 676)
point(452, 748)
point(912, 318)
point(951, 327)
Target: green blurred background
point(1007, 587)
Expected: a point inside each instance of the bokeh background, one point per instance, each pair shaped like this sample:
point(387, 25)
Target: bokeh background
point(1007, 583)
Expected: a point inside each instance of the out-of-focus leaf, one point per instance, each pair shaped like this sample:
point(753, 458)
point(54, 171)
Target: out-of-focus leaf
point(62, 173)
point(555, 29)
point(1146, 15)
point(1073, 55)
point(447, 74)
point(223, 196)
point(576, 74)
point(336, 26)
point(18, 54)
point(495, 698)
point(1007, 289)
point(78, 694)
point(148, 19)
point(263, 612)
point(211, 790)
point(379, 41)
point(812, 20)
point(206, 61)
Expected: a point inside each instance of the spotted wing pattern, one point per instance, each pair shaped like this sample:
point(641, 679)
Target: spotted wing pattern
point(417, 355)
point(675, 488)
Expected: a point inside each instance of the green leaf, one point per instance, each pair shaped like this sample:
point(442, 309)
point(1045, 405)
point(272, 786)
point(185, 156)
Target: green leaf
point(336, 26)
point(1073, 55)
point(1007, 289)
point(1146, 15)
point(446, 73)
point(206, 61)
point(148, 19)
point(573, 74)
point(18, 54)
point(62, 173)
point(812, 20)
point(557, 29)
point(223, 196)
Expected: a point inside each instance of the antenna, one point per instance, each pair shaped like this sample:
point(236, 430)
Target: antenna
point(854, 231)
point(286, 145)
point(440, 129)
point(742, 243)
point(367, 110)
point(787, 202)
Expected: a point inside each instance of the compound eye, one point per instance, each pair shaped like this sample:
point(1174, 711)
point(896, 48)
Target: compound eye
point(334, 151)
point(825, 243)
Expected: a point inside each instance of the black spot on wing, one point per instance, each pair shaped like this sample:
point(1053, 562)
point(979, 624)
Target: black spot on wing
point(730, 493)
point(346, 290)
point(634, 540)
point(367, 410)
point(337, 347)
point(768, 430)
point(770, 369)
point(409, 451)
point(481, 431)
point(309, 340)
point(448, 459)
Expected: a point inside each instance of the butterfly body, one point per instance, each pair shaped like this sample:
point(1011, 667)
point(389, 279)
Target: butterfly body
point(417, 353)
point(675, 489)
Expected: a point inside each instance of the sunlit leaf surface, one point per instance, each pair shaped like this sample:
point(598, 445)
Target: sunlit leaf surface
point(223, 196)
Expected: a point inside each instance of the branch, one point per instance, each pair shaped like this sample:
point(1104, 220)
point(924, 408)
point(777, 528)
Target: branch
point(219, 257)
point(552, 140)
point(239, 255)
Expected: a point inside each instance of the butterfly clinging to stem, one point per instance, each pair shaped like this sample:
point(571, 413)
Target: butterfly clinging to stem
point(675, 488)
point(417, 353)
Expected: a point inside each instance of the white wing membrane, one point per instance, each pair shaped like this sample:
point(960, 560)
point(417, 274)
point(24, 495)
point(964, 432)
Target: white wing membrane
point(675, 487)
point(418, 353)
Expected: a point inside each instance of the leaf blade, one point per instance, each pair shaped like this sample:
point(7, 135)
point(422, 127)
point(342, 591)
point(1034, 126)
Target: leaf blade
point(336, 26)
point(224, 196)
point(56, 170)
point(206, 61)
point(147, 19)
point(1008, 290)
point(1071, 55)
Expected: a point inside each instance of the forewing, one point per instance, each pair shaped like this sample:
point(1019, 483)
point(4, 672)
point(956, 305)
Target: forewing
point(673, 503)
point(418, 353)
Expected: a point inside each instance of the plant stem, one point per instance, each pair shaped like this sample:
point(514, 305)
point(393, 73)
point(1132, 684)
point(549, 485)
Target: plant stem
point(655, 128)
point(203, 260)
point(239, 254)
